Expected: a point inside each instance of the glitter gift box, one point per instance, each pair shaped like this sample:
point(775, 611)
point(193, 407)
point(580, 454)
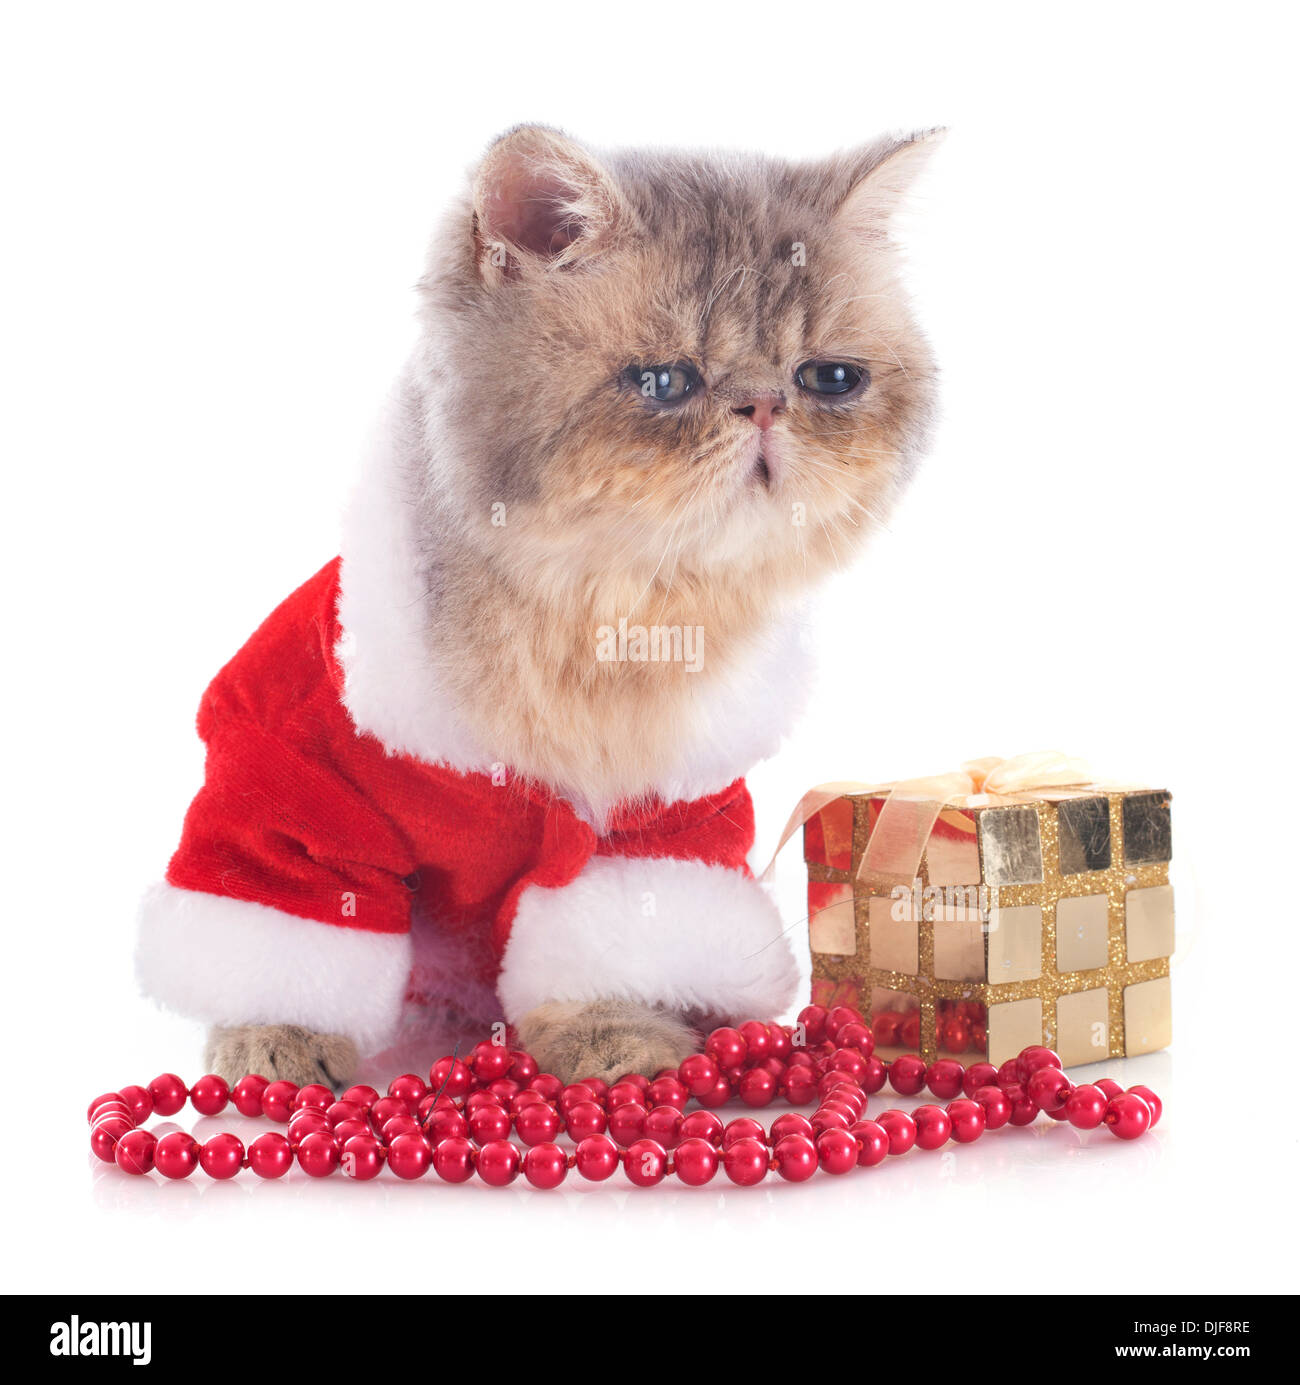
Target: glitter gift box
point(1042, 915)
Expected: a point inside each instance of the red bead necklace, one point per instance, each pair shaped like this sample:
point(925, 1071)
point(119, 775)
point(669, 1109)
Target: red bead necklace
point(459, 1123)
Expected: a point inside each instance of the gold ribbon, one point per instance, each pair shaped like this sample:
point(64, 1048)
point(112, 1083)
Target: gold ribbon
point(912, 807)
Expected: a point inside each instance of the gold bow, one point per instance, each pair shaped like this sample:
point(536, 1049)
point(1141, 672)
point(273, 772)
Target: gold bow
point(912, 806)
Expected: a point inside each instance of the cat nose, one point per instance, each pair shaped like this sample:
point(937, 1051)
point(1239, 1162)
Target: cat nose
point(762, 408)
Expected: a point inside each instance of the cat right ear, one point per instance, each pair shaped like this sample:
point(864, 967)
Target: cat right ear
point(541, 201)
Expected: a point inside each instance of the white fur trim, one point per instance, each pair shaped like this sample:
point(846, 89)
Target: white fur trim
point(230, 962)
point(392, 688)
point(713, 945)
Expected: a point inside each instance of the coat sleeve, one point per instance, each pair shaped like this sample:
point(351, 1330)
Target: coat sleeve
point(285, 901)
point(664, 912)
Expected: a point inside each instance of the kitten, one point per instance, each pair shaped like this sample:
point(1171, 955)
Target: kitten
point(494, 760)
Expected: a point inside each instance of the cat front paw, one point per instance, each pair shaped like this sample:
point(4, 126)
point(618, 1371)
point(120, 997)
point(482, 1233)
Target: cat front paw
point(281, 1053)
point(605, 1038)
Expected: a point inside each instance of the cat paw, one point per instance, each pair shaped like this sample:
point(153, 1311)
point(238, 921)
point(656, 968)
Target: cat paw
point(281, 1053)
point(604, 1038)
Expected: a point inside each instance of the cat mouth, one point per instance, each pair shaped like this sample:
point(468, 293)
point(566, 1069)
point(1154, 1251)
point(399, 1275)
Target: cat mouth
point(763, 472)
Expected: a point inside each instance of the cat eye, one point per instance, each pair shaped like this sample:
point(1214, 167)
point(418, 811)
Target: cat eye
point(829, 377)
point(665, 384)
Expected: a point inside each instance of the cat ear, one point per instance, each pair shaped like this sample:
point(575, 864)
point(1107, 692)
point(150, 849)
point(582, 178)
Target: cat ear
point(879, 179)
point(541, 201)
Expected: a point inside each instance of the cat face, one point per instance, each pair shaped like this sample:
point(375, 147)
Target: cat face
point(648, 360)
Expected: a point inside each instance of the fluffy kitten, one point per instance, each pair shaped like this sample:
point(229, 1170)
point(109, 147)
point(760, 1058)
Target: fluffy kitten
point(667, 390)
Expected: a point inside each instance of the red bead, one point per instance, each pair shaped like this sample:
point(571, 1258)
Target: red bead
point(996, 1106)
point(849, 1060)
point(475, 1100)
point(944, 1078)
point(490, 1061)
point(900, 1128)
point(222, 1156)
point(839, 1016)
point(645, 1162)
point(364, 1097)
point(874, 1075)
point(1085, 1107)
point(545, 1166)
point(640, 1082)
point(537, 1124)
point(758, 1042)
point(756, 1087)
point(857, 1036)
point(822, 1119)
point(1024, 1109)
point(907, 1074)
point(599, 1088)
point(779, 1045)
point(1107, 1086)
point(302, 1125)
point(873, 1143)
point(727, 1048)
point(800, 1085)
point(1127, 1116)
point(406, 1125)
point(453, 1160)
point(702, 1125)
point(695, 1162)
point(313, 1095)
point(269, 1156)
point(627, 1123)
point(967, 1119)
point(318, 1154)
point(663, 1125)
point(796, 1158)
point(135, 1151)
point(788, 1123)
point(623, 1094)
point(408, 1088)
point(596, 1158)
point(523, 1067)
point(742, 1128)
point(209, 1095)
point(247, 1094)
point(668, 1091)
point(1009, 1073)
point(837, 1150)
point(277, 1100)
point(745, 1162)
point(409, 1155)
point(1048, 1088)
point(362, 1158)
point(547, 1086)
point(575, 1094)
point(488, 1123)
point(138, 1102)
point(176, 1155)
point(933, 1127)
point(386, 1108)
point(979, 1075)
point(1035, 1059)
point(343, 1111)
point(585, 1118)
point(445, 1123)
point(451, 1076)
point(498, 1163)
point(1152, 1100)
point(113, 1099)
point(813, 1020)
point(347, 1130)
point(719, 1096)
point(105, 1134)
point(112, 1111)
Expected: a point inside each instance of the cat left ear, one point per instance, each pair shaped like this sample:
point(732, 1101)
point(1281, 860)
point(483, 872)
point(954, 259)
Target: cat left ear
point(880, 177)
point(541, 201)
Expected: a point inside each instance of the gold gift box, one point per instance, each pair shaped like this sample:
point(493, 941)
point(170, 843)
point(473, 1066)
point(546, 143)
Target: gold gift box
point(1048, 919)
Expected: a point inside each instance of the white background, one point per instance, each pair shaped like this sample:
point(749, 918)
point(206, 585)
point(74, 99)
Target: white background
point(214, 215)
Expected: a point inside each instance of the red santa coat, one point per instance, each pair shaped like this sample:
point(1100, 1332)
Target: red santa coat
point(352, 853)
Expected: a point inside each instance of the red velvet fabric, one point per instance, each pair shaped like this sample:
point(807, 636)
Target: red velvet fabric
point(300, 812)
